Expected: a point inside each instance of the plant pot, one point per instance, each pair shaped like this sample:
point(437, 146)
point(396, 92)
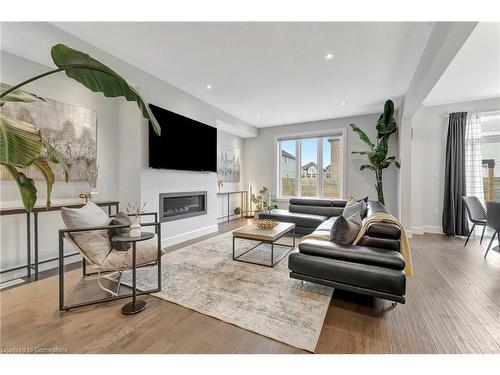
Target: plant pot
point(135, 228)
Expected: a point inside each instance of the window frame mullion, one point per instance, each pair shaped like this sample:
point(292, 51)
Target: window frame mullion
point(319, 190)
point(298, 151)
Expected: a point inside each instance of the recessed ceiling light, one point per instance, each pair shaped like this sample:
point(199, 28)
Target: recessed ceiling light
point(209, 87)
point(343, 103)
point(329, 56)
point(258, 116)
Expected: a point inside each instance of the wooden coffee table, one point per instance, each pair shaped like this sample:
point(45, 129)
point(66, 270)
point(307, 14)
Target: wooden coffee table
point(271, 236)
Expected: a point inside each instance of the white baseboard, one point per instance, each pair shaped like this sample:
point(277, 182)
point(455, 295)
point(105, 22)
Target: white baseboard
point(425, 229)
point(169, 241)
point(231, 217)
point(432, 229)
point(417, 230)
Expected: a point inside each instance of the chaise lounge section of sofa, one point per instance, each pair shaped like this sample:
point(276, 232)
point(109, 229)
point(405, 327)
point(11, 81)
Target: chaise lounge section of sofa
point(372, 267)
point(307, 214)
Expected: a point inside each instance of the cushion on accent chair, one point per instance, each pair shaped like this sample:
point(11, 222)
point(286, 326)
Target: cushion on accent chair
point(95, 244)
point(146, 252)
point(344, 231)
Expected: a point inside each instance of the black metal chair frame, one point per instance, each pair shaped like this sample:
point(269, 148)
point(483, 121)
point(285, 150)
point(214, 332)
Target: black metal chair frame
point(472, 230)
point(62, 232)
point(479, 224)
point(493, 222)
point(497, 233)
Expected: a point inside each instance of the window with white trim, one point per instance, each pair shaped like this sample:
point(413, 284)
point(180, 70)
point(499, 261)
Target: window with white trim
point(310, 166)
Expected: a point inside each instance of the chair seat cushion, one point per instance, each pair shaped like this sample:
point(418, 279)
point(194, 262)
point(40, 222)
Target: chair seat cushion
point(299, 219)
point(353, 253)
point(94, 244)
point(146, 252)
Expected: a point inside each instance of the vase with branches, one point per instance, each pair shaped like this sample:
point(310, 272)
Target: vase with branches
point(377, 154)
point(22, 144)
point(134, 211)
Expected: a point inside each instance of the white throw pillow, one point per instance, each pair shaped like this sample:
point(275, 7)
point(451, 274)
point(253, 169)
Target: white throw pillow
point(95, 244)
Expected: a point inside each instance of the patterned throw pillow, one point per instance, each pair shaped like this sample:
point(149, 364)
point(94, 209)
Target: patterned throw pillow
point(352, 207)
point(344, 231)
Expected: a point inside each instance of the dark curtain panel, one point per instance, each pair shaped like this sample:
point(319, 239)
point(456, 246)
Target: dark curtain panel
point(454, 220)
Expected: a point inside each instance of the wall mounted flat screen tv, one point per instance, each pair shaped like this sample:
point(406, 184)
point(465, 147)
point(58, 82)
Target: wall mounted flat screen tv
point(184, 144)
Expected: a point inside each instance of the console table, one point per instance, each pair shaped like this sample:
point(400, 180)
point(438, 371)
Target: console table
point(244, 198)
point(33, 266)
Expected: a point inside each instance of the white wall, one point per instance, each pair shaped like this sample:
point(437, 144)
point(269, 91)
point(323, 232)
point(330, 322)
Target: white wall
point(261, 170)
point(122, 138)
point(13, 228)
point(428, 148)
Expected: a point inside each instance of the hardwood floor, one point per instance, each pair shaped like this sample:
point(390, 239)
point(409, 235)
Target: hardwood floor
point(453, 306)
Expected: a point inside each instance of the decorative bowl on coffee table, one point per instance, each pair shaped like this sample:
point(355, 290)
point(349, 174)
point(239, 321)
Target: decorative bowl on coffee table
point(266, 224)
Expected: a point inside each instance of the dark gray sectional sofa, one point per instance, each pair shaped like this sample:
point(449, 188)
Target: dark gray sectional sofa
point(373, 267)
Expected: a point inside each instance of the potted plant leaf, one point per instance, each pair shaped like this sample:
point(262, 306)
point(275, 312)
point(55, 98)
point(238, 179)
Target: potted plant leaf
point(22, 144)
point(264, 201)
point(377, 153)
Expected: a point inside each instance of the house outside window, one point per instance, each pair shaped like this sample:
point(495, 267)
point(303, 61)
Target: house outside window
point(311, 166)
point(490, 153)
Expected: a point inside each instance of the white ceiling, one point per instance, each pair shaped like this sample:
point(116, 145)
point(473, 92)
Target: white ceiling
point(474, 73)
point(271, 73)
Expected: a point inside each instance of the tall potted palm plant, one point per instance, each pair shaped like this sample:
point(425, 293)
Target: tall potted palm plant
point(377, 154)
point(22, 144)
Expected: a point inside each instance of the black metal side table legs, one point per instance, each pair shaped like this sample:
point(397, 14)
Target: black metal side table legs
point(135, 306)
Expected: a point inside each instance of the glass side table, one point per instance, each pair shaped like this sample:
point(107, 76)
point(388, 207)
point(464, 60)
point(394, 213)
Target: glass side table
point(135, 306)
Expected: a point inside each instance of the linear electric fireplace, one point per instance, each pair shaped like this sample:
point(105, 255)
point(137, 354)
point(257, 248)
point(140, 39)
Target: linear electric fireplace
point(176, 206)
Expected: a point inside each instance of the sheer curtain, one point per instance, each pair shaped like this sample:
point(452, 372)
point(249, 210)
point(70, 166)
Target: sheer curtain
point(473, 159)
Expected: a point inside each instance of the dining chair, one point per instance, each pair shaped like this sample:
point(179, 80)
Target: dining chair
point(476, 213)
point(493, 221)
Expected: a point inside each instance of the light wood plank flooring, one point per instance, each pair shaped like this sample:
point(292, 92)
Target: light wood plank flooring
point(453, 306)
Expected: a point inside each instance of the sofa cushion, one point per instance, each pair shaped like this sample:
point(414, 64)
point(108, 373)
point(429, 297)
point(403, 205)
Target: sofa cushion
point(311, 202)
point(301, 220)
point(366, 276)
point(316, 210)
point(354, 253)
point(95, 244)
point(375, 207)
point(384, 230)
point(344, 231)
point(381, 243)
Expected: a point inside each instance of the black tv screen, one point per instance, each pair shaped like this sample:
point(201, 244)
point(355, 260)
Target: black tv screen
point(184, 144)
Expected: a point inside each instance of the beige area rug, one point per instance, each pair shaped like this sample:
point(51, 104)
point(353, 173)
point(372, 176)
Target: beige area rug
point(203, 277)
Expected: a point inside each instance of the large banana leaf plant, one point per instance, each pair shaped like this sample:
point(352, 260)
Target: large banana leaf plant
point(22, 144)
point(377, 155)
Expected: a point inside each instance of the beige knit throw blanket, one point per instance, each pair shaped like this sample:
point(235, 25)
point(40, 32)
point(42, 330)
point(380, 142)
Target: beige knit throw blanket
point(380, 217)
point(404, 243)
